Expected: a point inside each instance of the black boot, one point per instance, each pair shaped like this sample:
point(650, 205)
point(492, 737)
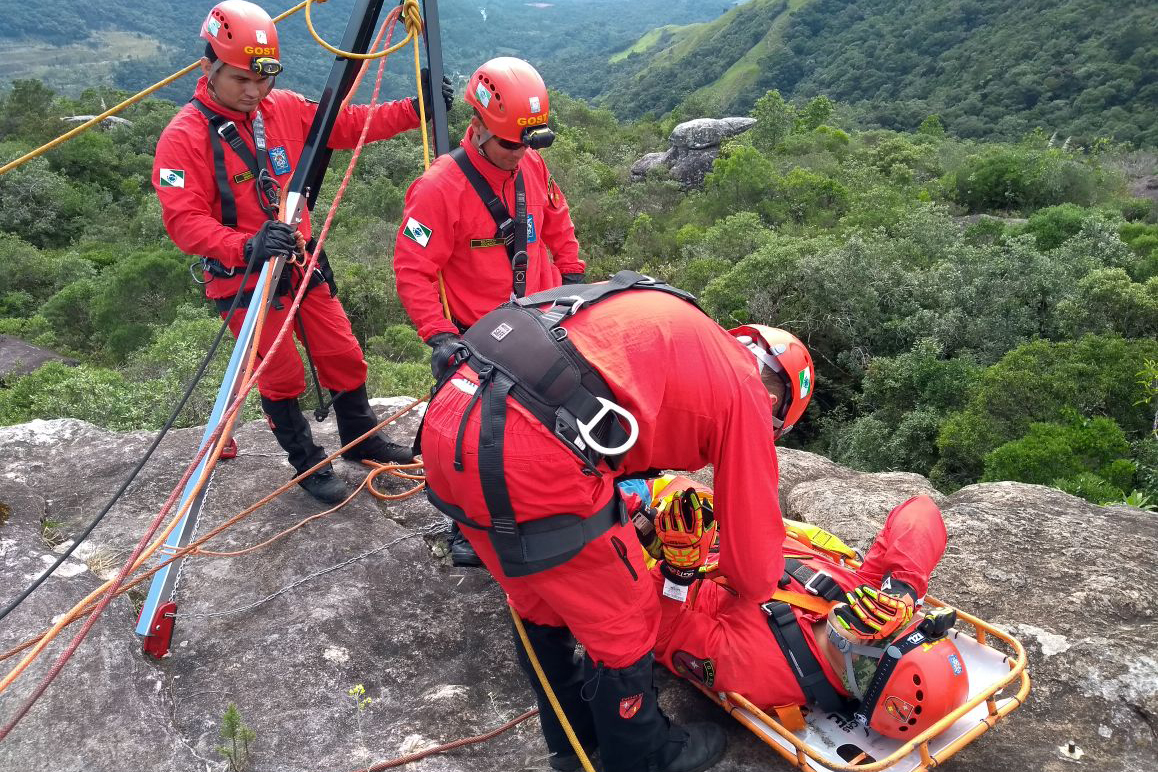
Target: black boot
point(555, 649)
point(355, 417)
point(634, 734)
point(292, 431)
point(462, 554)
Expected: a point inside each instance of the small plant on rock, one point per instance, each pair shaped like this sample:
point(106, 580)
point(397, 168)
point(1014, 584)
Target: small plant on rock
point(237, 737)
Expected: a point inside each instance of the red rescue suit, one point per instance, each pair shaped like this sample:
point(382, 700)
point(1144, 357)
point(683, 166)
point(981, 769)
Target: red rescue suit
point(697, 396)
point(455, 234)
point(185, 180)
point(725, 642)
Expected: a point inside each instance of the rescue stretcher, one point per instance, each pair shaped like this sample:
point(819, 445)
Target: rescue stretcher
point(998, 685)
point(815, 741)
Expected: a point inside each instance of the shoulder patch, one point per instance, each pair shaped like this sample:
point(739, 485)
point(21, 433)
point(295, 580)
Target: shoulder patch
point(417, 232)
point(553, 193)
point(171, 178)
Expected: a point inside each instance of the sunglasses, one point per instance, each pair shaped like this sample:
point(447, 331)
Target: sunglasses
point(536, 139)
point(506, 144)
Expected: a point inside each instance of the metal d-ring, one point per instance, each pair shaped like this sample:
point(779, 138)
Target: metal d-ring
point(607, 406)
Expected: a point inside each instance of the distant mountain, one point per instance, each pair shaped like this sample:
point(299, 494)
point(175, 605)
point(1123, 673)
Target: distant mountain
point(74, 43)
point(990, 68)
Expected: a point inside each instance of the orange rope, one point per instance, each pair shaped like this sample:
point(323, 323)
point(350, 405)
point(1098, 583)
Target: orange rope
point(419, 755)
point(212, 448)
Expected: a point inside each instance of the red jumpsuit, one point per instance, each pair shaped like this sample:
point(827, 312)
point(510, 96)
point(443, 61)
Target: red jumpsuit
point(725, 642)
point(477, 278)
point(183, 175)
point(697, 395)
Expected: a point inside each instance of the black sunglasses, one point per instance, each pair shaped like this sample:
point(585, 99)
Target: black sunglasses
point(535, 138)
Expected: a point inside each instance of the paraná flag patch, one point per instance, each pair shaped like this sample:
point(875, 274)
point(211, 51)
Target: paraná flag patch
point(172, 178)
point(417, 232)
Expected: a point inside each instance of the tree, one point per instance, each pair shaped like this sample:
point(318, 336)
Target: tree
point(741, 181)
point(775, 119)
point(1087, 455)
point(814, 114)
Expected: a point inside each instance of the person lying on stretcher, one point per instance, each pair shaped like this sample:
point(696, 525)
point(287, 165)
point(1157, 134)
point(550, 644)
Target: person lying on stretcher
point(847, 641)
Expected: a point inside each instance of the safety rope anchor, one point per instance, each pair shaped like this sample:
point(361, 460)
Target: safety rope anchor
point(160, 636)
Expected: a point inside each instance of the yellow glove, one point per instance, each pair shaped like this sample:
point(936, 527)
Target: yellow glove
point(686, 528)
point(874, 615)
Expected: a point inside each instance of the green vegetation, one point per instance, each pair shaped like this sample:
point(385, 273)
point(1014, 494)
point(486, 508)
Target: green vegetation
point(237, 737)
point(69, 43)
point(990, 68)
point(976, 311)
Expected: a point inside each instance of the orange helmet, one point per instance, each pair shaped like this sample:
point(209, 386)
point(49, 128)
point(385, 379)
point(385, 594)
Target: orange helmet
point(906, 685)
point(781, 352)
point(243, 35)
point(511, 98)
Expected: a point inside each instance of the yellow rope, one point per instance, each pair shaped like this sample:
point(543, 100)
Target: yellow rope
point(422, 104)
point(575, 744)
point(411, 14)
point(127, 103)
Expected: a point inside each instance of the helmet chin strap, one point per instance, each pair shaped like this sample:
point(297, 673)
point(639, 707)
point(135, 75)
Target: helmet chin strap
point(481, 136)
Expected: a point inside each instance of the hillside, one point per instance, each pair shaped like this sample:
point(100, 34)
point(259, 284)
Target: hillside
point(41, 40)
point(989, 68)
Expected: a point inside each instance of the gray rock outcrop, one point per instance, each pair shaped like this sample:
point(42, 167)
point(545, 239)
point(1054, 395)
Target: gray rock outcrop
point(19, 358)
point(284, 641)
point(695, 145)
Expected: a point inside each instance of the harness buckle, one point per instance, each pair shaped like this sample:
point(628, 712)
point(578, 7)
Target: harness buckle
point(812, 585)
point(607, 406)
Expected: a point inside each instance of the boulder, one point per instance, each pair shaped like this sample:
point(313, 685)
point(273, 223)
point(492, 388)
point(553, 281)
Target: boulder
point(366, 596)
point(703, 133)
point(19, 358)
point(695, 144)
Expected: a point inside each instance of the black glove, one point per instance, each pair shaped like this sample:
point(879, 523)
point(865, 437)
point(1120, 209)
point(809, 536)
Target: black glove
point(273, 239)
point(446, 348)
point(428, 97)
point(574, 278)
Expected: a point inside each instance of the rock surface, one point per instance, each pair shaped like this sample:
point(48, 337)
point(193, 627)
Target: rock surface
point(19, 358)
point(695, 144)
point(430, 643)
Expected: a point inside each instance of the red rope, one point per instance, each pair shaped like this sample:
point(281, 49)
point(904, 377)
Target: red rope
point(239, 400)
point(481, 738)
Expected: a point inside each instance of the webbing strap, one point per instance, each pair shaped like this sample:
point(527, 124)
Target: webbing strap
point(224, 191)
point(511, 231)
point(567, 299)
point(490, 455)
point(221, 127)
point(803, 600)
point(808, 671)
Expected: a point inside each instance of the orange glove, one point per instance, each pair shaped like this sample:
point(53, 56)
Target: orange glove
point(686, 529)
point(874, 615)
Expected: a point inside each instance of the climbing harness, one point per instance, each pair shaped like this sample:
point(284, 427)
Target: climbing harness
point(510, 231)
point(521, 350)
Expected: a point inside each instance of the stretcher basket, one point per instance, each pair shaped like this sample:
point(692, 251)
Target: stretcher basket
point(998, 685)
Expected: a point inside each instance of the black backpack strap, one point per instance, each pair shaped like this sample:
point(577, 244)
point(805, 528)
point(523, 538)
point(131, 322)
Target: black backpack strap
point(224, 191)
point(566, 300)
point(512, 231)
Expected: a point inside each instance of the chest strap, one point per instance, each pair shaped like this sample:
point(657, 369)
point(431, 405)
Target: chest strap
point(266, 187)
point(509, 231)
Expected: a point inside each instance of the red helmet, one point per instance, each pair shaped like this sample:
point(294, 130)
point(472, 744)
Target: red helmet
point(919, 679)
point(243, 35)
point(781, 352)
point(512, 99)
